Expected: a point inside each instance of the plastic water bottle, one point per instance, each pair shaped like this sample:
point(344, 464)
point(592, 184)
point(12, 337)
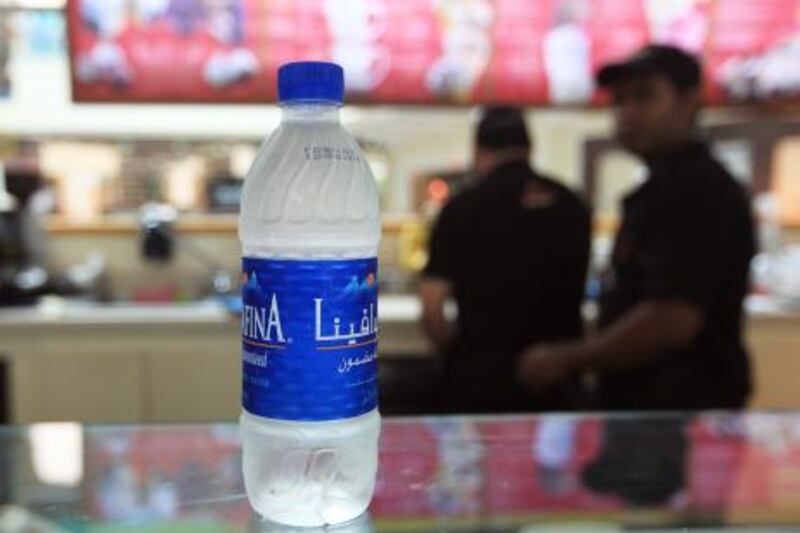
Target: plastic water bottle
point(310, 230)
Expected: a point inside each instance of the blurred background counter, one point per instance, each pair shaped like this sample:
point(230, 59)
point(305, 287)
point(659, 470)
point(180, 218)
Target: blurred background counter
point(94, 362)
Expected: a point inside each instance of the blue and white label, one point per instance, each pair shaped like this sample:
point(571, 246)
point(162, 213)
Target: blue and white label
point(309, 338)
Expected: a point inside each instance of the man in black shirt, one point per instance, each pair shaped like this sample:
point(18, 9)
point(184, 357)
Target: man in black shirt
point(671, 313)
point(513, 252)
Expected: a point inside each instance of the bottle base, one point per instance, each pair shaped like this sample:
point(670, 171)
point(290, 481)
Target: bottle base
point(301, 517)
point(361, 524)
point(310, 474)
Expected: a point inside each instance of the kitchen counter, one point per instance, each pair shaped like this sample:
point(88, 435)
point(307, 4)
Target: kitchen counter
point(76, 360)
point(600, 472)
point(399, 315)
point(159, 363)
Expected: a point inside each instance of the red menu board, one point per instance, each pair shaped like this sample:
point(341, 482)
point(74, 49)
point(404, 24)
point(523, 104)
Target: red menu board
point(167, 51)
point(753, 53)
point(528, 52)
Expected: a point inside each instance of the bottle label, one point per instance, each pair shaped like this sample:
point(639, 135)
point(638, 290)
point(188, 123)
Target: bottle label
point(309, 338)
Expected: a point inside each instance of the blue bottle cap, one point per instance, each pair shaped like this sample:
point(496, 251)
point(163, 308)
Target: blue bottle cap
point(311, 82)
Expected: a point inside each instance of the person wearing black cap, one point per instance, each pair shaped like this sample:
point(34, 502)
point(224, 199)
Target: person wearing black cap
point(671, 313)
point(513, 252)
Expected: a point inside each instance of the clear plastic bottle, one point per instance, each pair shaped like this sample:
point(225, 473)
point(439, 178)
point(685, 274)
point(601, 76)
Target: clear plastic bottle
point(310, 231)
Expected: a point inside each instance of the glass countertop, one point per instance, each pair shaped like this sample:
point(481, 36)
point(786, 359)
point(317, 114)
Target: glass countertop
point(522, 473)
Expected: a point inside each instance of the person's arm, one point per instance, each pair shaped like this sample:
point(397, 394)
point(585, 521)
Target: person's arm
point(646, 332)
point(436, 285)
point(682, 268)
point(433, 294)
point(649, 330)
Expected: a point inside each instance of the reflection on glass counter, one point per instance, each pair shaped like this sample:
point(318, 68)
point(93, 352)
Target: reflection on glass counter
point(436, 474)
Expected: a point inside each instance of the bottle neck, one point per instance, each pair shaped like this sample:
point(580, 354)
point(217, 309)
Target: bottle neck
point(296, 112)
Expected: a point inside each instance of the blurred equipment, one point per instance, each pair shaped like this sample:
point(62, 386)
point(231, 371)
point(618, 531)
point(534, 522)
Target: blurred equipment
point(22, 276)
point(778, 274)
point(159, 240)
point(432, 191)
point(224, 194)
point(157, 236)
point(15, 519)
point(23, 248)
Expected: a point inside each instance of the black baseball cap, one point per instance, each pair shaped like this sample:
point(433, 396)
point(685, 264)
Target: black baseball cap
point(682, 69)
point(502, 127)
